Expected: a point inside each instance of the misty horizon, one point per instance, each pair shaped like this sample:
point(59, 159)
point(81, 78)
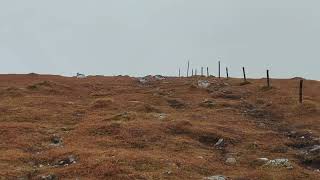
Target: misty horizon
point(150, 37)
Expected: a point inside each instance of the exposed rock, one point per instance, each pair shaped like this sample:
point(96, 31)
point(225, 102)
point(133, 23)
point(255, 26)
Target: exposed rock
point(263, 159)
point(203, 84)
point(200, 157)
point(56, 140)
point(216, 177)
point(159, 77)
point(210, 139)
point(231, 161)
point(219, 142)
point(143, 80)
point(315, 148)
point(160, 116)
point(147, 79)
point(279, 163)
point(49, 177)
point(312, 157)
point(67, 161)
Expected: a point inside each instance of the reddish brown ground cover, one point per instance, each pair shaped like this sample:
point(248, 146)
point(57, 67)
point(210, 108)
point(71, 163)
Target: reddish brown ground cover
point(119, 128)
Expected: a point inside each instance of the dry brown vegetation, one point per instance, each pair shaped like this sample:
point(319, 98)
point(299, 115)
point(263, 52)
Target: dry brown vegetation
point(54, 127)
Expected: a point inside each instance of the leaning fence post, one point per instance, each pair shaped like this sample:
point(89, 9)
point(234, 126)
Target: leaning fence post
point(268, 79)
point(188, 69)
point(227, 71)
point(301, 92)
point(208, 72)
point(219, 69)
point(244, 74)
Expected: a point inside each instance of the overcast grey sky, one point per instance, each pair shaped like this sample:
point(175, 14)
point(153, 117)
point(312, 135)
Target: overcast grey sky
point(139, 37)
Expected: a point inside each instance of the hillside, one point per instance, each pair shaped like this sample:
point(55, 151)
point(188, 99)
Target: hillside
point(54, 127)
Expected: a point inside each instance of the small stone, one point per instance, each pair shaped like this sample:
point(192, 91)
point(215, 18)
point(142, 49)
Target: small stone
point(203, 84)
point(217, 177)
point(49, 177)
point(70, 103)
point(68, 161)
point(315, 148)
point(160, 116)
point(56, 140)
point(263, 159)
point(142, 80)
point(72, 159)
point(65, 129)
point(231, 161)
point(219, 142)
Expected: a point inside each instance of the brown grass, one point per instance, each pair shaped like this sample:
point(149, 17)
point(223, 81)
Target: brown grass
point(116, 128)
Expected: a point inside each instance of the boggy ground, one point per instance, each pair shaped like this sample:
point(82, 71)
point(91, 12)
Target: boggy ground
point(54, 127)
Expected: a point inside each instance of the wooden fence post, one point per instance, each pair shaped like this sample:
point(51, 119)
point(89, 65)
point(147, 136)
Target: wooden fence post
point(219, 69)
point(244, 74)
point(192, 72)
point(208, 72)
point(301, 92)
point(268, 79)
point(188, 69)
point(179, 72)
point(201, 71)
point(227, 71)
point(196, 73)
